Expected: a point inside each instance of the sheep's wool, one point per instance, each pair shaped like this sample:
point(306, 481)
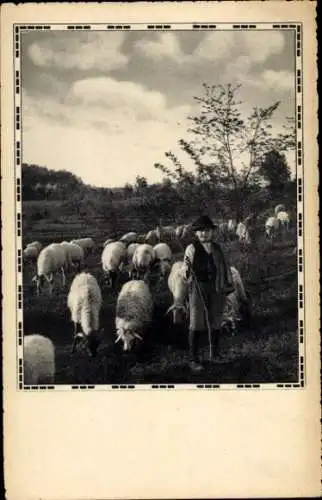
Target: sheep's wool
point(84, 302)
point(39, 360)
point(134, 304)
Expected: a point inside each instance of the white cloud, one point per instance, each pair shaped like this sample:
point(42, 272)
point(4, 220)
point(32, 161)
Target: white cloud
point(231, 47)
point(105, 145)
point(259, 45)
point(113, 94)
point(281, 80)
point(164, 45)
point(272, 81)
point(215, 46)
point(82, 51)
point(237, 68)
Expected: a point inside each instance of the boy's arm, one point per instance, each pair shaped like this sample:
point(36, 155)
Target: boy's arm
point(188, 259)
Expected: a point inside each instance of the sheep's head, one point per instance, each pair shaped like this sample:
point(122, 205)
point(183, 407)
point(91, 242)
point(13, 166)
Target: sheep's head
point(128, 337)
point(110, 278)
point(165, 267)
point(40, 282)
point(90, 343)
point(180, 312)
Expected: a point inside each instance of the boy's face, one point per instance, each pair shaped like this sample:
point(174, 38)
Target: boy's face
point(205, 235)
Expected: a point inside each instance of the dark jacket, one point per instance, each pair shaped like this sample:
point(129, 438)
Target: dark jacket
point(212, 268)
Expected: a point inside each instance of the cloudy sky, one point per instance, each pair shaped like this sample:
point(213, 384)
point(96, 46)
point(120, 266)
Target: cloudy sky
point(107, 105)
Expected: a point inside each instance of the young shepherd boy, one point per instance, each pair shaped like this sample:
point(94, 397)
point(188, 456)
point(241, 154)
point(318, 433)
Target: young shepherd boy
point(210, 281)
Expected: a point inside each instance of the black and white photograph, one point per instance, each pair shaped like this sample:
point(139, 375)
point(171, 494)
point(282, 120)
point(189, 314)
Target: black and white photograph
point(159, 204)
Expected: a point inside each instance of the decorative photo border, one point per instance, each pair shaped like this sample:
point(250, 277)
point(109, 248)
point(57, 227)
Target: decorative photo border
point(297, 27)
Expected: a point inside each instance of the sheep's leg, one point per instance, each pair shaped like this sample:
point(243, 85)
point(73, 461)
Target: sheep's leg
point(50, 280)
point(63, 276)
point(74, 344)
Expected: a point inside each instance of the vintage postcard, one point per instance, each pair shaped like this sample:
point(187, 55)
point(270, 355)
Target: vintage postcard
point(160, 250)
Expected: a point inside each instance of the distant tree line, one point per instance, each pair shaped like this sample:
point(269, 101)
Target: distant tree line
point(240, 166)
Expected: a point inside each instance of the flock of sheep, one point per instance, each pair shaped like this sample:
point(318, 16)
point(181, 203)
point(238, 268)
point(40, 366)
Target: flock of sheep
point(134, 304)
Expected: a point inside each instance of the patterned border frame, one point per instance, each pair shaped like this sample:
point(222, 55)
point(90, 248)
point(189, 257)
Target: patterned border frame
point(298, 30)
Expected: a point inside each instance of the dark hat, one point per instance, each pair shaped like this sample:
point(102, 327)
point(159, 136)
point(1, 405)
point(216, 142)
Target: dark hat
point(202, 223)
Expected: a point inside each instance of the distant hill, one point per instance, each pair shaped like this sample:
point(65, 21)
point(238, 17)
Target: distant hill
point(40, 183)
point(61, 198)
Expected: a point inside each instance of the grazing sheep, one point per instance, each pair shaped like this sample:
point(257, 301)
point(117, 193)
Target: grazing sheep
point(179, 230)
point(178, 286)
point(152, 237)
point(113, 257)
point(140, 238)
point(130, 251)
point(142, 261)
point(236, 305)
point(74, 254)
point(35, 244)
point(284, 220)
point(87, 244)
point(84, 302)
point(279, 208)
point(134, 309)
point(108, 241)
point(129, 238)
point(51, 260)
point(30, 253)
point(38, 360)
point(187, 235)
point(163, 257)
point(166, 233)
point(243, 233)
point(271, 227)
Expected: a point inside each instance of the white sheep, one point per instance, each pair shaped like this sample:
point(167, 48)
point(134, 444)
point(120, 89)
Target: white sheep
point(113, 258)
point(38, 360)
point(178, 286)
point(179, 230)
point(152, 237)
point(187, 235)
point(165, 233)
point(235, 302)
point(279, 208)
point(130, 251)
point(36, 244)
point(134, 310)
point(84, 302)
point(284, 220)
point(243, 233)
point(51, 260)
point(30, 253)
point(87, 244)
point(108, 241)
point(142, 261)
point(163, 257)
point(129, 238)
point(74, 254)
point(272, 227)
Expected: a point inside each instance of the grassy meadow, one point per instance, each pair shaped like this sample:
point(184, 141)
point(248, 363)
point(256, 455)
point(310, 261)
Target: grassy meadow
point(265, 351)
